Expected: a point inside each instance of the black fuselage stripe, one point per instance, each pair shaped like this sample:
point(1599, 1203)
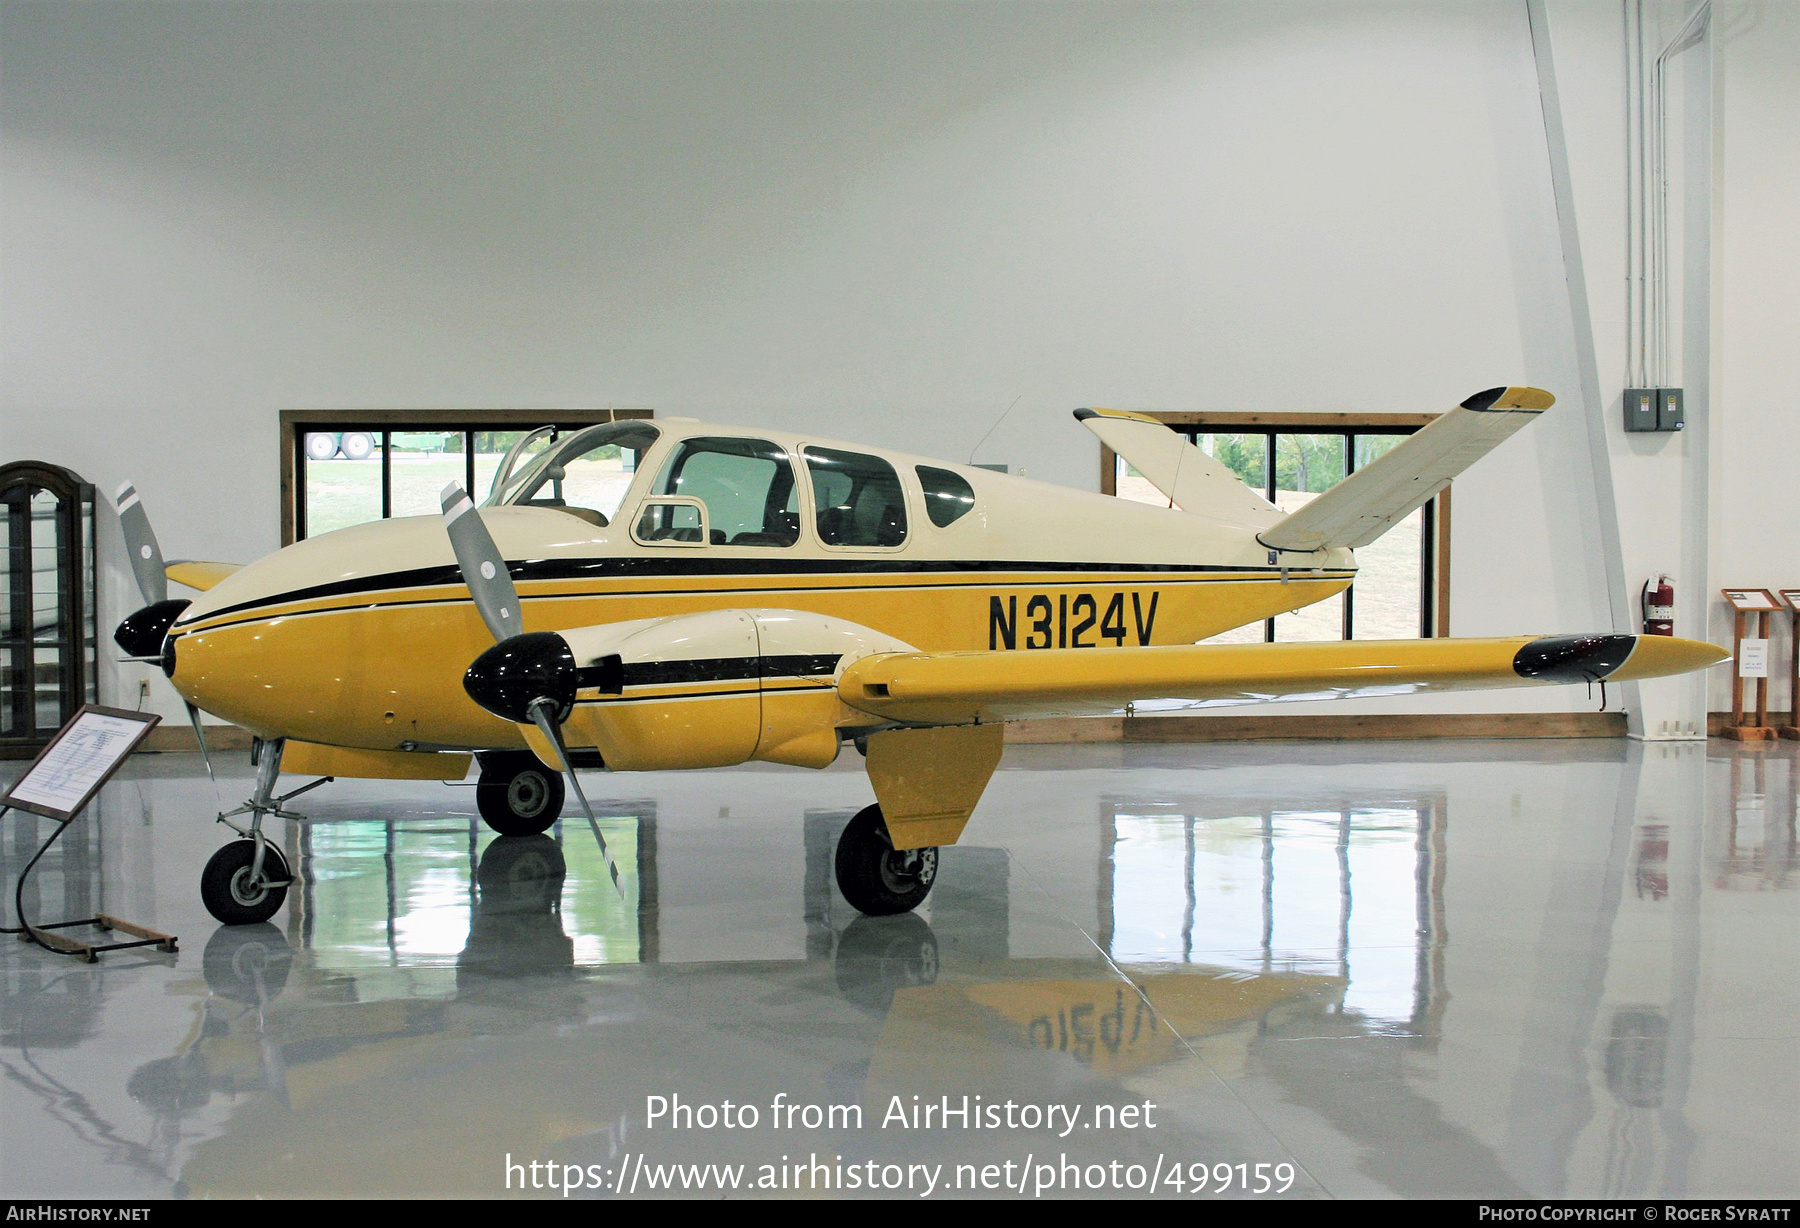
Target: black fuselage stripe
point(265, 604)
point(583, 569)
point(651, 699)
point(712, 669)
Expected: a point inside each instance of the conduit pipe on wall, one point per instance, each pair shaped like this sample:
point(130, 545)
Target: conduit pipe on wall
point(1691, 33)
point(1647, 193)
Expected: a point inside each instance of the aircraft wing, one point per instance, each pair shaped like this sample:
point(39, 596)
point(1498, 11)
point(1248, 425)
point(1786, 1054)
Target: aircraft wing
point(964, 687)
point(196, 573)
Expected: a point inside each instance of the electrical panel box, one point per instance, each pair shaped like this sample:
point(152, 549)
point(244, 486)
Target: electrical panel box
point(1640, 408)
point(1670, 415)
point(1654, 409)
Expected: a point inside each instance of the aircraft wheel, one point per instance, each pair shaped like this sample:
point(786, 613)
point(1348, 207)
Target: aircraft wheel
point(877, 879)
point(228, 893)
point(247, 963)
point(517, 795)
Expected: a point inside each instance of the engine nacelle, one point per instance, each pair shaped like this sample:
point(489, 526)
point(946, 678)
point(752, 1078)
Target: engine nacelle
point(716, 688)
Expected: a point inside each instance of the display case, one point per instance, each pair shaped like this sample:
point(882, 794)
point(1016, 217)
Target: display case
point(48, 643)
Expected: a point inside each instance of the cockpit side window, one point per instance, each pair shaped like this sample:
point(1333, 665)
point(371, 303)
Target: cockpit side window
point(857, 499)
point(948, 496)
point(586, 475)
point(747, 486)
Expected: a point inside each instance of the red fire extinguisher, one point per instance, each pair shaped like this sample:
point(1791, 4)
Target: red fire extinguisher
point(1659, 606)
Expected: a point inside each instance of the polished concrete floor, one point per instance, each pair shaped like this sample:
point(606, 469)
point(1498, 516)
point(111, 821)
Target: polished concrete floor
point(1418, 969)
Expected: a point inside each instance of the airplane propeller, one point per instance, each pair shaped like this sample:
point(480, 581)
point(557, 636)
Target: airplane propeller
point(526, 677)
point(141, 635)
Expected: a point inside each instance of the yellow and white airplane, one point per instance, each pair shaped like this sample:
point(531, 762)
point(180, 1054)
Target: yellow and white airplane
point(645, 596)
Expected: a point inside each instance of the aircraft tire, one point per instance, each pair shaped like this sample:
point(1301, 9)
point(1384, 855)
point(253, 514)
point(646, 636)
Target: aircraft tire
point(247, 963)
point(225, 889)
point(877, 880)
point(517, 795)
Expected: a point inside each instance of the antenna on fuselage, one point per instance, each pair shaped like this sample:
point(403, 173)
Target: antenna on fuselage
point(993, 428)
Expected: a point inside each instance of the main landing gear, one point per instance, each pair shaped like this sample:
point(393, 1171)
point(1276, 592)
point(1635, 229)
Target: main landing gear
point(517, 795)
point(875, 877)
point(247, 881)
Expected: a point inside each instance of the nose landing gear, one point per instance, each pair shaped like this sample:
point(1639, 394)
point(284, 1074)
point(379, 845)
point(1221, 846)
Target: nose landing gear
point(878, 879)
point(246, 881)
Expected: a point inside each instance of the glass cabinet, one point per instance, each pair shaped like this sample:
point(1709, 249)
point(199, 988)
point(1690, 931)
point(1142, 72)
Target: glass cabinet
point(47, 617)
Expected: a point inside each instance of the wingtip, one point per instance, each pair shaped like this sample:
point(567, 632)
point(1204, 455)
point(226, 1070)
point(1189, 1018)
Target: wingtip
point(1613, 657)
point(1661, 656)
point(1082, 415)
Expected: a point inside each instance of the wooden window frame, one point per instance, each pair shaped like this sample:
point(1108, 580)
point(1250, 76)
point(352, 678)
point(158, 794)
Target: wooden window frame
point(296, 424)
point(1436, 527)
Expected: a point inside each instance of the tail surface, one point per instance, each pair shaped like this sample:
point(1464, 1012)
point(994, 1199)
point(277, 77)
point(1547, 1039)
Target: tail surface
point(1194, 481)
point(1390, 488)
point(1354, 512)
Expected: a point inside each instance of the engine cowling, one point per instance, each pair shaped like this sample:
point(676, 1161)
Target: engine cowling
point(715, 688)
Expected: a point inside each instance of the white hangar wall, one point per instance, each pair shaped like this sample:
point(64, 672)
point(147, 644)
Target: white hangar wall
point(884, 221)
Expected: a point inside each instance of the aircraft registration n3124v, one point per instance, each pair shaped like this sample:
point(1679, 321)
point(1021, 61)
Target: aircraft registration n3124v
point(641, 596)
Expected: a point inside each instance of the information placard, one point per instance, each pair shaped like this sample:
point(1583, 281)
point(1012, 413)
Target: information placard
point(1751, 600)
point(68, 772)
point(1753, 658)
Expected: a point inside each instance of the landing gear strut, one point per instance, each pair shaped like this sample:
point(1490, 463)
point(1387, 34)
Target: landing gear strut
point(517, 795)
point(875, 877)
point(247, 881)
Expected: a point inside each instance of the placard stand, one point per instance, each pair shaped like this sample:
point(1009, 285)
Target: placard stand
point(1792, 728)
point(1744, 604)
point(59, 784)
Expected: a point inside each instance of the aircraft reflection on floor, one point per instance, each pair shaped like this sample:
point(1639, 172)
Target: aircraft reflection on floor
point(293, 1046)
point(437, 993)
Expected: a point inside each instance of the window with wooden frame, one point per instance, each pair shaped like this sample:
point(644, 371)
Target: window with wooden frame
point(1402, 586)
point(345, 467)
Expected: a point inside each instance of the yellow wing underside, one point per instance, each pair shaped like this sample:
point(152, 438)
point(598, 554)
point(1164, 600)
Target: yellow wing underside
point(961, 687)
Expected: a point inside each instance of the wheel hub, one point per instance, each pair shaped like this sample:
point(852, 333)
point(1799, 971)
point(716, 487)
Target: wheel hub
point(246, 890)
point(526, 794)
point(903, 870)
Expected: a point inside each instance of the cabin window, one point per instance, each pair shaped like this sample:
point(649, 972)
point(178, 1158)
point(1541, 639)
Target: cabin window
point(947, 496)
point(747, 486)
point(586, 475)
point(1402, 580)
point(856, 498)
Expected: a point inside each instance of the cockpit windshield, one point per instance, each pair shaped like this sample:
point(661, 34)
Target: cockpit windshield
point(586, 474)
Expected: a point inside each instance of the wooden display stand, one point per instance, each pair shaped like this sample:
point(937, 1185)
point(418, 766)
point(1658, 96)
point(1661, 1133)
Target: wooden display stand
point(1745, 603)
point(1792, 729)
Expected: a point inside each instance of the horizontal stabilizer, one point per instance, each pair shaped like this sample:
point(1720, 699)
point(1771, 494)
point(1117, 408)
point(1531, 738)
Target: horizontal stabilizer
point(965, 687)
point(1194, 481)
point(198, 574)
point(1390, 488)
